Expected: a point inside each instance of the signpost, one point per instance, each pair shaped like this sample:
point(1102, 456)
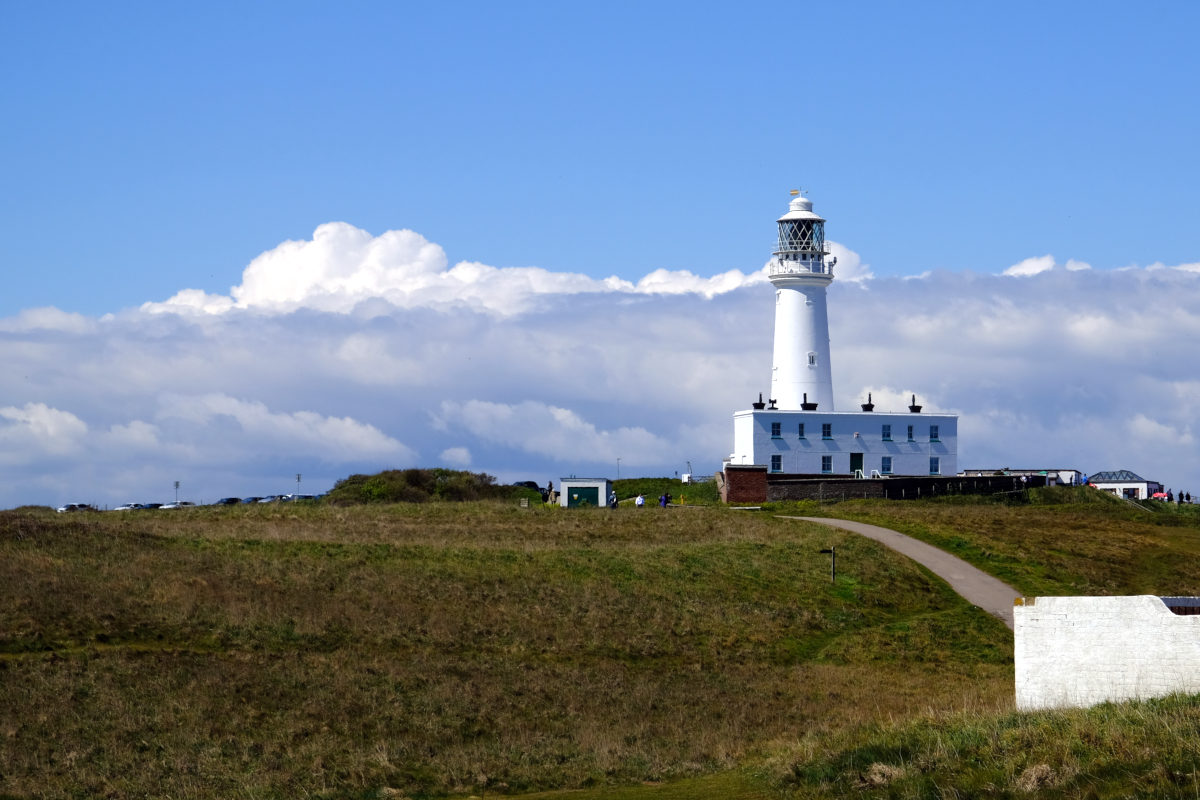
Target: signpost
point(833, 571)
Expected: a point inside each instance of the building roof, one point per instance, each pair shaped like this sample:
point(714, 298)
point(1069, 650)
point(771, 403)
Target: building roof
point(1117, 476)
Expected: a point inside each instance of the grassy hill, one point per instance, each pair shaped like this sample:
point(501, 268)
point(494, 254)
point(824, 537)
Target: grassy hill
point(436, 648)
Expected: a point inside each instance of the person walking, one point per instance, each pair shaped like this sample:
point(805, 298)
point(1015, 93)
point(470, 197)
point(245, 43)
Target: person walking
point(640, 501)
point(612, 499)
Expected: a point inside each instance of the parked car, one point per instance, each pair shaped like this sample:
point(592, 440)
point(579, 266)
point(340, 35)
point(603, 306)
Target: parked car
point(180, 504)
point(539, 489)
point(71, 507)
point(228, 501)
point(129, 507)
point(251, 499)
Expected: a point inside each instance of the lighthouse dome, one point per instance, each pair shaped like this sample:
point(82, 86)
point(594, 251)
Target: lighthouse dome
point(800, 208)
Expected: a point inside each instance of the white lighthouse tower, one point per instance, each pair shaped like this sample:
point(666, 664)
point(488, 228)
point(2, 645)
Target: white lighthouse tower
point(800, 436)
point(800, 376)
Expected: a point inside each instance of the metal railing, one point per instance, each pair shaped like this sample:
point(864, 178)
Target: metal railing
point(778, 267)
point(784, 247)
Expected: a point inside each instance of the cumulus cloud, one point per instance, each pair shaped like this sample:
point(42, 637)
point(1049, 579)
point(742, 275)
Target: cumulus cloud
point(1031, 266)
point(343, 267)
point(351, 353)
point(36, 430)
point(556, 433)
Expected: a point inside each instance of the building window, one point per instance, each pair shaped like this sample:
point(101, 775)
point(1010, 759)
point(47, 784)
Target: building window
point(885, 465)
point(933, 433)
point(812, 359)
point(801, 430)
point(910, 433)
point(826, 464)
point(887, 433)
point(775, 430)
point(935, 465)
point(776, 463)
point(826, 430)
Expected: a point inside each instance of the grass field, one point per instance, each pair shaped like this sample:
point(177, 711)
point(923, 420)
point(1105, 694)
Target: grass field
point(481, 648)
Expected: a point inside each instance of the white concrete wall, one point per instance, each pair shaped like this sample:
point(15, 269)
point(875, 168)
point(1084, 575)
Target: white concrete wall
point(1080, 651)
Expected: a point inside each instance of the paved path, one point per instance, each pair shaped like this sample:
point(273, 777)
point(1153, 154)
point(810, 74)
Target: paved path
point(976, 586)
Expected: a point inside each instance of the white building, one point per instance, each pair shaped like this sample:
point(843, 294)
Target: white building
point(799, 432)
point(583, 492)
point(1124, 483)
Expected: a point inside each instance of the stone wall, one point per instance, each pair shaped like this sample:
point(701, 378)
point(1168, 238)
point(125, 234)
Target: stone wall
point(753, 484)
point(1080, 651)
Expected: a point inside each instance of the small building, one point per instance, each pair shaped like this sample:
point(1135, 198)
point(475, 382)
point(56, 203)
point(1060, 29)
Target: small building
point(1126, 484)
point(1052, 476)
point(584, 492)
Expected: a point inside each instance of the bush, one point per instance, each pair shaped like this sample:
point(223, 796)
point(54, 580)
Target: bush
point(415, 485)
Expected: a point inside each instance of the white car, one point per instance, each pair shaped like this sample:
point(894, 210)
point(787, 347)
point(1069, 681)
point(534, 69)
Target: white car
point(69, 507)
point(129, 507)
point(180, 504)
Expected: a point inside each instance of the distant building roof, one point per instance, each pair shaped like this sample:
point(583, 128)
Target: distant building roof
point(1117, 476)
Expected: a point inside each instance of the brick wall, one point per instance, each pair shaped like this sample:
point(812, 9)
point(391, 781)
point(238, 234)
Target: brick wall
point(742, 484)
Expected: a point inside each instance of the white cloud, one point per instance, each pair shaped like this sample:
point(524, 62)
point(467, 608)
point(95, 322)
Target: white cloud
point(1031, 266)
point(353, 353)
point(336, 439)
point(343, 267)
point(35, 430)
point(850, 266)
point(556, 433)
point(458, 457)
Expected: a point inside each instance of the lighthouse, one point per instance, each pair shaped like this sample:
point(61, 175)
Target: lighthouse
point(800, 272)
point(800, 437)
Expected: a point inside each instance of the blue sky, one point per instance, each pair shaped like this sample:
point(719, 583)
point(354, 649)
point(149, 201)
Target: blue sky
point(154, 146)
point(151, 149)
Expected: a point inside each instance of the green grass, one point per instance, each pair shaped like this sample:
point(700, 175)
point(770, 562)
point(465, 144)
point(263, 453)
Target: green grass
point(1055, 541)
point(478, 648)
point(1146, 749)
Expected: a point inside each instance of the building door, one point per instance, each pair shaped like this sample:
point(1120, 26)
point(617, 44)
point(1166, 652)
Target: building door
point(583, 496)
point(856, 462)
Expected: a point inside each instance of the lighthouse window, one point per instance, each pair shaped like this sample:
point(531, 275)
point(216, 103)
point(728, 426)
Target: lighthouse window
point(935, 465)
point(775, 430)
point(910, 433)
point(826, 464)
point(827, 430)
point(812, 359)
point(801, 430)
point(776, 463)
point(887, 433)
point(933, 433)
point(885, 465)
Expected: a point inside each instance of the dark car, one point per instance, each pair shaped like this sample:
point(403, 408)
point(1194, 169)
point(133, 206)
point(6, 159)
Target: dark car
point(228, 501)
point(532, 485)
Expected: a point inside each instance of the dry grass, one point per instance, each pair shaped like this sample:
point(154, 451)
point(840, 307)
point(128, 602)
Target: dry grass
point(272, 652)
